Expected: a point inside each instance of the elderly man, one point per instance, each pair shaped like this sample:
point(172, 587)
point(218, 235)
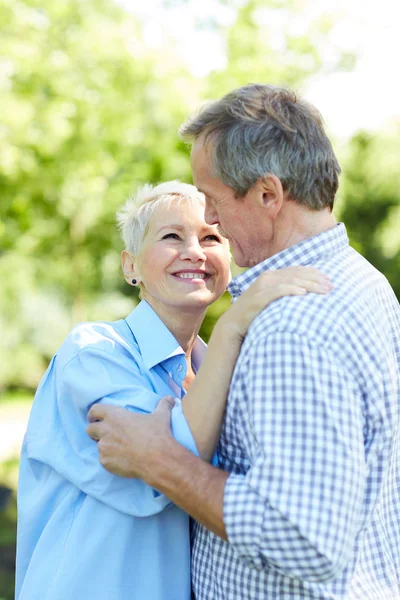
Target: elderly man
point(305, 502)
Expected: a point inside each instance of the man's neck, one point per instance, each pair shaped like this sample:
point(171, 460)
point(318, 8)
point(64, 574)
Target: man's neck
point(298, 224)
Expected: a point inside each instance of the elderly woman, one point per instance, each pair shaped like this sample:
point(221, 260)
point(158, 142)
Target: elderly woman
point(84, 533)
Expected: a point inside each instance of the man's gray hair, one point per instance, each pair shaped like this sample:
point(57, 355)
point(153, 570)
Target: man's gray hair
point(259, 130)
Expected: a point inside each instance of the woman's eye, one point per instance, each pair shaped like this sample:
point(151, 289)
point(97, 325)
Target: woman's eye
point(213, 238)
point(172, 236)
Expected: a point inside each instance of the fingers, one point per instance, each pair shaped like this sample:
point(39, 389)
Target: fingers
point(165, 405)
point(95, 431)
point(96, 416)
point(300, 287)
point(318, 287)
point(292, 273)
point(308, 278)
point(100, 412)
point(97, 412)
point(308, 274)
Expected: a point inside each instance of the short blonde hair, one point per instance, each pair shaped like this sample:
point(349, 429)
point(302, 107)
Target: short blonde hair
point(134, 216)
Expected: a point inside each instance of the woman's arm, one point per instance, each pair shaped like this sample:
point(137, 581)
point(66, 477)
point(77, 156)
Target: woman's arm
point(204, 404)
point(94, 367)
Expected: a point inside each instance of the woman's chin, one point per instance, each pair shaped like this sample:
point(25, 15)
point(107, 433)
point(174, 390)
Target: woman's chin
point(195, 303)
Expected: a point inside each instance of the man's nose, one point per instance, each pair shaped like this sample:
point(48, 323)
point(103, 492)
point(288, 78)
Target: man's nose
point(193, 251)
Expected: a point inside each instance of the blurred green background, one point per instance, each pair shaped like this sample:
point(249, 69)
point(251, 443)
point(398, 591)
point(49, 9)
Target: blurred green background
point(90, 107)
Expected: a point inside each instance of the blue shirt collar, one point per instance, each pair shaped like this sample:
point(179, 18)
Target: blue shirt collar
point(156, 342)
point(302, 254)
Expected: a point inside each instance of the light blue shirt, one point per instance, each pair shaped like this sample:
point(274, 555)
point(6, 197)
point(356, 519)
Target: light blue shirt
point(82, 532)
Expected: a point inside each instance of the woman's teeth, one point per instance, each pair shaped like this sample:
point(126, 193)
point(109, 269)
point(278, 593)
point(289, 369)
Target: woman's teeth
point(191, 275)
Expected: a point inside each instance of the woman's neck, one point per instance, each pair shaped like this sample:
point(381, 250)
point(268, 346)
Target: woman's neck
point(183, 324)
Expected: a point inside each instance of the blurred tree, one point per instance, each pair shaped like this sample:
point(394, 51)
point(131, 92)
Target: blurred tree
point(369, 201)
point(89, 111)
point(282, 42)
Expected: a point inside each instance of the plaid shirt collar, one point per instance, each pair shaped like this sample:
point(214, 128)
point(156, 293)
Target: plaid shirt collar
point(302, 254)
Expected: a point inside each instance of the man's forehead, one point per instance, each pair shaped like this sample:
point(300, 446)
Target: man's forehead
point(202, 167)
point(201, 149)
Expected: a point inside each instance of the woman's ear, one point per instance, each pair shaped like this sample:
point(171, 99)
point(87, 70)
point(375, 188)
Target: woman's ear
point(128, 262)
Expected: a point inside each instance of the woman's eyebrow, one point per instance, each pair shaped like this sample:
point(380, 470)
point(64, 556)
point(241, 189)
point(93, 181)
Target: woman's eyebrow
point(205, 227)
point(171, 226)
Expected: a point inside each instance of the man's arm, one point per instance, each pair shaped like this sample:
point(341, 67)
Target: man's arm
point(297, 509)
point(141, 446)
point(193, 485)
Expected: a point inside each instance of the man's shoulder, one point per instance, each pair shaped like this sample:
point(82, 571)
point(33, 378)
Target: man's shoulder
point(358, 288)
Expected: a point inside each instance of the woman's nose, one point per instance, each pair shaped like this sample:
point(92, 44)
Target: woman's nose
point(193, 250)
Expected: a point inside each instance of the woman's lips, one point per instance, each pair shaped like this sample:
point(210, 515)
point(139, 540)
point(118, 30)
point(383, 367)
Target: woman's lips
point(190, 276)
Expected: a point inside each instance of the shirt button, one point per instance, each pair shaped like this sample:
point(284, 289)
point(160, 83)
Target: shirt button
point(179, 368)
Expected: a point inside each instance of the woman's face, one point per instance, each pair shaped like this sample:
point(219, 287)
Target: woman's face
point(185, 262)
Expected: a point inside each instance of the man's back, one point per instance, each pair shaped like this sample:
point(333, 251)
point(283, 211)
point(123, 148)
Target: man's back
point(311, 439)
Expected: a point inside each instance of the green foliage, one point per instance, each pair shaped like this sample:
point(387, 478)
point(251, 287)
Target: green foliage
point(370, 200)
point(89, 112)
point(274, 42)
point(213, 314)
point(8, 519)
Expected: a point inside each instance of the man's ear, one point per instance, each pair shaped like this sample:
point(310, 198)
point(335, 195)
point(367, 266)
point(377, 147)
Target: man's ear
point(128, 262)
point(270, 194)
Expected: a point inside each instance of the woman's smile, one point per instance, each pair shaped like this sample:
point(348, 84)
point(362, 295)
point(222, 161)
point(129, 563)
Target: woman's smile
point(192, 276)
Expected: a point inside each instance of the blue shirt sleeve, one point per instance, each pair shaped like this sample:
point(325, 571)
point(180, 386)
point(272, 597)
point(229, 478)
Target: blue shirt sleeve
point(100, 372)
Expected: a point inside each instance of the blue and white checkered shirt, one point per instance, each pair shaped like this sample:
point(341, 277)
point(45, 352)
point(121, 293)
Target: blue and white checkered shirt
point(311, 441)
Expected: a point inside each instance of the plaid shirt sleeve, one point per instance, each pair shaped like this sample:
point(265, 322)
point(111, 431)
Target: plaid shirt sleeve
point(297, 509)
